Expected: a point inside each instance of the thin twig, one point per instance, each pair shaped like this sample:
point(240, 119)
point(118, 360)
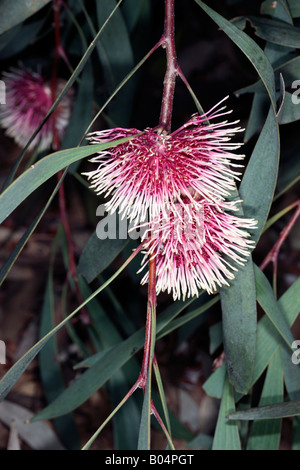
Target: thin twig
point(272, 256)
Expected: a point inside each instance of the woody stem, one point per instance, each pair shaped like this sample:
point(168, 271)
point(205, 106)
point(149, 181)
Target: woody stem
point(171, 71)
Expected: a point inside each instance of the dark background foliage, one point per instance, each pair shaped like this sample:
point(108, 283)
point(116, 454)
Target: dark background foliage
point(214, 67)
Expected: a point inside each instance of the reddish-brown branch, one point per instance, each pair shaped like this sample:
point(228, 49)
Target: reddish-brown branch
point(272, 257)
point(151, 317)
point(171, 71)
point(273, 254)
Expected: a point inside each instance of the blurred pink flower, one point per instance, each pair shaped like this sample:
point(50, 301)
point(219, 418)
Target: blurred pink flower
point(197, 252)
point(28, 99)
point(152, 172)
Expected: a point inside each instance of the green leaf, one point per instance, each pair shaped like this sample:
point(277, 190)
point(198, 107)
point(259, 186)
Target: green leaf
point(268, 338)
point(239, 327)
point(259, 180)
point(268, 341)
point(14, 373)
point(162, 396)
point(289, 69)
point(13, 256)
point(266, 299)
point(296, 434)
point(22, 37)
point(145, 424)
point(133, 10)
point(265, 435)
point(289, 172)
point(226, 436)
point(277, 410)
point(50, 371)
point(280, 8)
point(201, 441)
point(82, 109)
point(37, 174)
point(98, 255)
point(117, 59)
point(257, 114)
point(289, 112)
point(103, 366)
point(13, 13)
point(248, 47)
point(291, 373)
point(214, 385)
point(294, 8)
point(240, 376)
point(272, 30)
point(187, 317)
point(128, 417)
point(144, 430)
point(215, 337)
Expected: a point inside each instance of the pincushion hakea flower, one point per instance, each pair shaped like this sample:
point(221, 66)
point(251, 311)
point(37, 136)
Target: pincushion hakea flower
point(28, 99)
point(195, 253)
point(175, 186)
point(149, 173)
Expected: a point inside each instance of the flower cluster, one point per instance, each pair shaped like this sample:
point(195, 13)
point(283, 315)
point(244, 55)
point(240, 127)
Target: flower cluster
point(180, 184)
point(28, 99)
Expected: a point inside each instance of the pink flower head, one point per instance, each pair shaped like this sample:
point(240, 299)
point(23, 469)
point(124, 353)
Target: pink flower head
point(194, 253)
point(150, 173)
point(28, 99)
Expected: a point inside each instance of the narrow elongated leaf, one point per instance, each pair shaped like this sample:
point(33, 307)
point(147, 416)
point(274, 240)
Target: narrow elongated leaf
point(289, 112)
point(258, 184)
point(240, 366)
point(132, 10)
point(268, 338)
point(265, 435)
point(14, 373)
point(281, 8)
point(278, 410)
point(259, 181)
point(291, 373)
point(13, 13)
point(37, 174)
point(103, 366)
point(144, 431)
point(239, 327)
point(265, 297)
point(117, 59)
point(272, 30)
point(248, 47)
point(164, 319)
point(98, 254)
point(214, 385)
point(50, 371)
point(296, 434)
point(268, 341)
point(22, 38)
point(295, 8)
point(82, 109)
point(226, 436)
